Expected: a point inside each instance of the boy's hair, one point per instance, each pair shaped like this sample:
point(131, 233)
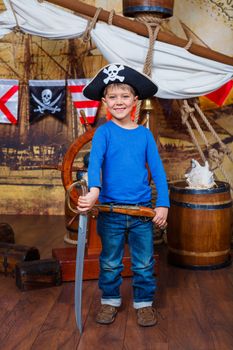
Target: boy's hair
point(122, 86)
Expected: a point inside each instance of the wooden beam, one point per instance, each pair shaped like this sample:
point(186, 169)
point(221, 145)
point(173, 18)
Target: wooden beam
point(140, 28)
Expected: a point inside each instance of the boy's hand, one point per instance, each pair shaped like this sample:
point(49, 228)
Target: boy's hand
point(160, 218)
point(86, 202)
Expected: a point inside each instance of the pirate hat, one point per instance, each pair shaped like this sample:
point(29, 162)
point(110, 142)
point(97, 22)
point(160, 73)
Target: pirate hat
point(118, 73)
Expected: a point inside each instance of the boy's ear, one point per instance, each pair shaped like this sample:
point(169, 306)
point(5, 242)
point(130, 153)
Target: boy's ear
point(103, 100)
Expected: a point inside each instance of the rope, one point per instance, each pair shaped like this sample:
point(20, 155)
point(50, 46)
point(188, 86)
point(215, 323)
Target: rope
point(111, 15)
point(224, 148)
point(199, 129)
point(218, 158)
point(92, 22)
point(153, 25)
point(214, 155)
point(185, 110)
point(17, 27)
point(189, 44)
point(190, 111)
point(90, 25)
point(226, 176)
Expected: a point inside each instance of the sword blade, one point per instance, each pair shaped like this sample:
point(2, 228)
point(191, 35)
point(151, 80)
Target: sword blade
point(82, 230)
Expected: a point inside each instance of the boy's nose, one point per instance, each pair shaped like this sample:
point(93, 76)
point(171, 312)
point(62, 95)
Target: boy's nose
point(119, 101)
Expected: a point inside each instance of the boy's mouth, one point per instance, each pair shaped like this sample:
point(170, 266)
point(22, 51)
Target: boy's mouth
point(119, 109)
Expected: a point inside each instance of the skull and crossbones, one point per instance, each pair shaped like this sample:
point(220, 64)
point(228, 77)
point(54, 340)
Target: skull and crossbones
point(112, 73)
point(46, 103)
point(46, 96)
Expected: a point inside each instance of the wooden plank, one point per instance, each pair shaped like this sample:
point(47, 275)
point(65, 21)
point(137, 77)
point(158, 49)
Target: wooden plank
point(217, 283)
point(59, 329)
point(9, 297)
point(221, 320)
point(194, 307)
point(217, 292)
point(111, 336)
point(146, 338)
point(188, 326)
point(150, 338)
point(23, 323)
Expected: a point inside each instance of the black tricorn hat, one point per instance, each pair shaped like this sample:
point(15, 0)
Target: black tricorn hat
point(119, 73)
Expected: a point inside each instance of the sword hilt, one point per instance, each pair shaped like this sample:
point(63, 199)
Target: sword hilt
point(83, 184)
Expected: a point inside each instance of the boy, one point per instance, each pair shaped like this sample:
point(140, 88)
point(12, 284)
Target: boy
point(117, 174)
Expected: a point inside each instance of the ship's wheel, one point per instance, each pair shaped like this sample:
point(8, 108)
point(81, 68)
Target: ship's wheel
point(68, 161)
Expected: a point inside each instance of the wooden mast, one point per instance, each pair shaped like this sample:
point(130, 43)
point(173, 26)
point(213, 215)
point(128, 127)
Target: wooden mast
point(140, 28)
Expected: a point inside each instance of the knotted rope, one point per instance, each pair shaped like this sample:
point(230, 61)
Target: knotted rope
point(110, 18)
point(216, 156)
point(90, 25)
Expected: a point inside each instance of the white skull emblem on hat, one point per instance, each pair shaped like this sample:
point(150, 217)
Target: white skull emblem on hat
point(112, 72)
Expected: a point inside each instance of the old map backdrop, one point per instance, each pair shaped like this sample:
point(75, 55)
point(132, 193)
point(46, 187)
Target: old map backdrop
point(30, 154)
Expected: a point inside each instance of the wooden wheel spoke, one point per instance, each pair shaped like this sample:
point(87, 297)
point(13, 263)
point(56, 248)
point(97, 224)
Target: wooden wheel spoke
point(68, 160)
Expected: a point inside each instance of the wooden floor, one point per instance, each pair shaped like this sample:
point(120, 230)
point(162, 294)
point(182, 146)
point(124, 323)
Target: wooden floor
point(195, 308)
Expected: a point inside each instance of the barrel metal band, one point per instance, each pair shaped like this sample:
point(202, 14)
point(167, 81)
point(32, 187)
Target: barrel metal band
point(206, 206)
point(222, 187)
point(199, 254)
point(151, 9)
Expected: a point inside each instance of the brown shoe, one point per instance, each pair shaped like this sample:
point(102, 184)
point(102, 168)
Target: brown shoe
point(106, 314)
point(146, 316)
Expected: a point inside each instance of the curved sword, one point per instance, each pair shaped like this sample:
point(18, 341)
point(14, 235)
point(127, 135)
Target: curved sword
point(48, 107)
point(82, 232)
point(56, 100)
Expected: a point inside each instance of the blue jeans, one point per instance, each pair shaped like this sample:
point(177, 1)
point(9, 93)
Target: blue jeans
point(112, 228)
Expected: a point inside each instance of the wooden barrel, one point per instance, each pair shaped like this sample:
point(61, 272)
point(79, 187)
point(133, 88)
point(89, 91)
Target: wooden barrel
point(199, 226)
point(162, 8)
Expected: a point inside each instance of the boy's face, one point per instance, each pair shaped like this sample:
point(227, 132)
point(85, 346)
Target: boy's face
point(120, 101)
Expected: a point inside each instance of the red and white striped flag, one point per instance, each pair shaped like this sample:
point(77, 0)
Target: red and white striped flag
point(90, 107)
point(9, 101)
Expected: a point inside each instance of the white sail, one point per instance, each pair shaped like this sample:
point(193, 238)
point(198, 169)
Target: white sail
point(178, 73)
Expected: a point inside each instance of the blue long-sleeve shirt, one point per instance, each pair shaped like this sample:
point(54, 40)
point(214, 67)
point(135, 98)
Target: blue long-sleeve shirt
point(117, 165)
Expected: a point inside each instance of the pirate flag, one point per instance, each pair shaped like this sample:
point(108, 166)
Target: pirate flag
point(47, 97)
